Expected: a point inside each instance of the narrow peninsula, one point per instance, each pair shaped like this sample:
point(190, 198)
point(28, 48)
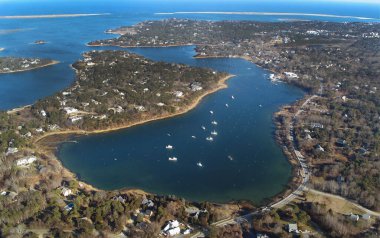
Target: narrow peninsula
point(13, 64)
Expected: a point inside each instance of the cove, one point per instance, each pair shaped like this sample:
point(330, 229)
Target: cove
point(136, 157)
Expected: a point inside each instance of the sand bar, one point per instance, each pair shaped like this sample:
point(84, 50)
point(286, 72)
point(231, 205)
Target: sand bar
point(53, 16)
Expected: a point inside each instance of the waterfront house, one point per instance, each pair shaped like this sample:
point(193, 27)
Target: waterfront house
point(147, 202)
point(291, 75)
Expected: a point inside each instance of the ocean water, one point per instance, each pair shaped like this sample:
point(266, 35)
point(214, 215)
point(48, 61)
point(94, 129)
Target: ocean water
point(136, 157)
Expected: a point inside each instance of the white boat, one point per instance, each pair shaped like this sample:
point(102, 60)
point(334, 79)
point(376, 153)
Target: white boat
point(214, 133)
point(204, 128)
point(199, 164)
point(194, 137)
point(260, 105)
point(212, 112)
point(230, 157)
point(172, 158)
point(169, 147)
point(226, 104)
point(232, 97)
point(209, 138)
point(214, 123)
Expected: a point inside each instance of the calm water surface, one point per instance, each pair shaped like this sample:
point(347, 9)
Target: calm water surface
point(136, 157)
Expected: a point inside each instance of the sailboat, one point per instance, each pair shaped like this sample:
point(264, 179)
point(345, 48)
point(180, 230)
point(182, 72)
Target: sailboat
point(172, 158)
point(169, 147)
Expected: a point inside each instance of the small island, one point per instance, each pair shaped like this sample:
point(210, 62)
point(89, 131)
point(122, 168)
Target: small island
point(13, 64)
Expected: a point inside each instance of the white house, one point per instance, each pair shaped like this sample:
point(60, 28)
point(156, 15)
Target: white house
point(291, 75)
point(354, 217)
point(66, 191)
point(174, 231)
point(43, 113)
point(147, 202)
point(70, 110)
point(366, 216)
point(26, 161)
point(11, 150)
point(172, 228)
point(75, 119)
point(178, 94)
point(292, 228)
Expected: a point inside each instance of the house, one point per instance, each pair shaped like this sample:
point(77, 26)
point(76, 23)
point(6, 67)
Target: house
point(119, 198)
point(341, 143)
point(316, 125)
point(147, 202)
point(196, 86)
point(148, 213)
point(70, 110)
point(11, 150)
point(174, 231)
point(75, 119)
point(172, 228)
point(366, 216)
point(39, 130)
point(291, 75)
point(69, 207)
point(43, 113)
point(178, 94)
point(66, 191)
point(292, 228)
point(187, 231)
point(354, 217)
point(26, 161)
point(320, 148)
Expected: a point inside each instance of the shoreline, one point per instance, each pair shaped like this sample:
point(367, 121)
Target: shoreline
point(54, 62)
point(50, 152)
point(287, 189)
point(134, 46)
point(220, 85)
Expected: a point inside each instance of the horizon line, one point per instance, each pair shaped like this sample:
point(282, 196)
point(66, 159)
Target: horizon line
point(270, 13)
